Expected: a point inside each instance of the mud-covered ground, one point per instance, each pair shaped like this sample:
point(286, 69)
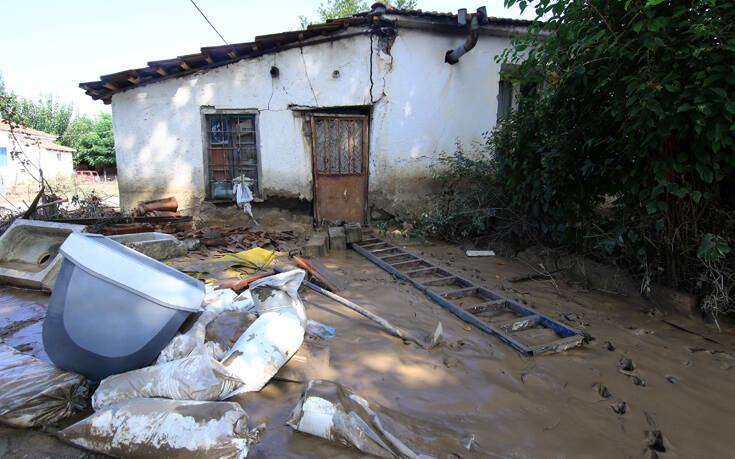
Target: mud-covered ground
point(474, 389)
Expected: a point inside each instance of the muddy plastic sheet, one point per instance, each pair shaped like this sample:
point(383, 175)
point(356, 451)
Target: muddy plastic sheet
point(154, 428)
point(34, 393)
point(334, 412)
point(275, 336)
point(197, 377)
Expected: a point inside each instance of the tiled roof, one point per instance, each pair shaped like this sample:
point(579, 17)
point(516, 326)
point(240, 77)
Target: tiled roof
point(214, 56)
point(28, 134)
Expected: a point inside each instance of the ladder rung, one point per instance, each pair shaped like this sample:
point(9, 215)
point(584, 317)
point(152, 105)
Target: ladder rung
point(371, 244)
point(459, 293)
point(395, 256)
point(382, 250)
point(415, 271)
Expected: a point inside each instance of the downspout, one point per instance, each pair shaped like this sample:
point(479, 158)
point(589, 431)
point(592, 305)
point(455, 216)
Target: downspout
point(452, 56)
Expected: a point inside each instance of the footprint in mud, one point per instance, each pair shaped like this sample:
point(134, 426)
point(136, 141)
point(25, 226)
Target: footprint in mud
point(619, 407)
point(602, 390)
point(628, 368)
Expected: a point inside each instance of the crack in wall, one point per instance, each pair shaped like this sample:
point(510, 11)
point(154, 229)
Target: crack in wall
point(306, 72)
point(371, 67)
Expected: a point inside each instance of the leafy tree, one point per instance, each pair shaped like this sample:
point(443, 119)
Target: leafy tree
point(333, 9)
point(93, 140)
point(634, 113)
point(46, 114)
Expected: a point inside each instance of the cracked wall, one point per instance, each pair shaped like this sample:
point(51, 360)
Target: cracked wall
point(420, 108)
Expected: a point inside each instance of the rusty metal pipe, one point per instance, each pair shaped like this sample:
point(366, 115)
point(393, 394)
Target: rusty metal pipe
point(453, 55)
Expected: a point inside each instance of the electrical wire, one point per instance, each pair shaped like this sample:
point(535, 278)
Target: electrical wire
point(209, 22)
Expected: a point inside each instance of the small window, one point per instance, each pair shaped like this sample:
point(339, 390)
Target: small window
point(505, 99)
point(3, 156)
point(231, 152)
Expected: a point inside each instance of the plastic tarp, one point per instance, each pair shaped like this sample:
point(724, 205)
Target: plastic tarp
point(257, 258)
point(197, 377)
point(154, 428)
point(34, 393)
point(275, 336)
point(334, 412)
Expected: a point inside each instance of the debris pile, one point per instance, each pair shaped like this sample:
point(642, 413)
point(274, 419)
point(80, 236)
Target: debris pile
point(235, 239)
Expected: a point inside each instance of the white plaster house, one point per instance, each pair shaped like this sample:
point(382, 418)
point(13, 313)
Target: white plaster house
point(349, 115)
point(40, 151)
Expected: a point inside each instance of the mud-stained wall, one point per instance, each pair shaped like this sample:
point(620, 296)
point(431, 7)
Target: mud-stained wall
point(428, 106)
point(420, 107)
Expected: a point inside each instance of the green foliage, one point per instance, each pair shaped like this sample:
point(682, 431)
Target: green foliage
point(713, 248)
point(630, 142)
point(46, 114)
point(333, 9)
point(93, 140)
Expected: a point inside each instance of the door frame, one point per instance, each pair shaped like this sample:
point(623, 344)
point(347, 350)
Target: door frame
point(365, 157)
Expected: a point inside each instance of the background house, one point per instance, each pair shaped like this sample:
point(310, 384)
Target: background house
point(349, 115)
point(39, 150)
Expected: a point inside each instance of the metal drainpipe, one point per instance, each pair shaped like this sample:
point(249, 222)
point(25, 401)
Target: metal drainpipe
point(453, 55)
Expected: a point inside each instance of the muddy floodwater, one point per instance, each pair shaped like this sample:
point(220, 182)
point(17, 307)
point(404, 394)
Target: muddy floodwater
point(640, 386)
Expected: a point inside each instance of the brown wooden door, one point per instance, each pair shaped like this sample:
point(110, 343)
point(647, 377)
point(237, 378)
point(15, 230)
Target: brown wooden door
point(340, 168)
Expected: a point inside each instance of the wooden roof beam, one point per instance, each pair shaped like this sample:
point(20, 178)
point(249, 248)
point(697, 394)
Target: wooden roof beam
point(161, 71)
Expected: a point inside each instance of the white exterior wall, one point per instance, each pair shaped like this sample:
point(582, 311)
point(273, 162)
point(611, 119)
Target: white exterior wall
point(15, 174)
point(421, 107)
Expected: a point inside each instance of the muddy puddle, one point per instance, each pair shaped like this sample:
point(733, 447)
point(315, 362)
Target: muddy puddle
point(641, 385)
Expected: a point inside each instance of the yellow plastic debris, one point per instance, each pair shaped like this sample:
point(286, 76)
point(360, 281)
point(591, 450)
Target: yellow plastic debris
point(257, 258)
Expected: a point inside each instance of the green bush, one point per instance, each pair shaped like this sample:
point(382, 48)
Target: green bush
point(626, 148)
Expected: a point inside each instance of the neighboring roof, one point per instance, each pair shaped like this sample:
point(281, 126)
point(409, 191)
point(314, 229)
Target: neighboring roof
point(23, 129)
point(215, 56)
point(29, 134)
point(57, 147)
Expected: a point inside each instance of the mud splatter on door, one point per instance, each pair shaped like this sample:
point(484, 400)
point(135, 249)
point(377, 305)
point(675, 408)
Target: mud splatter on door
point(340, 167)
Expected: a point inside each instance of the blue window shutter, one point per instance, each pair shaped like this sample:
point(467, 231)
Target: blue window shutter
point(3, 156)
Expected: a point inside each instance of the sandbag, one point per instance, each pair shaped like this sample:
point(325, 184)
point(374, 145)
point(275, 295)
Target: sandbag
point(34, 393)
point(197, 377)
point(275, 336)
point(334, 412)
point(154, 428)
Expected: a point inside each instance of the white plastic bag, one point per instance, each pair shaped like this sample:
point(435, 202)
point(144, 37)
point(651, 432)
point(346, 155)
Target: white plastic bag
point(274, 337)
point(197, 377)
point(215, 303)
point(154, 428)
point(34, 393)
point(334, 412)
point(185, 343)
